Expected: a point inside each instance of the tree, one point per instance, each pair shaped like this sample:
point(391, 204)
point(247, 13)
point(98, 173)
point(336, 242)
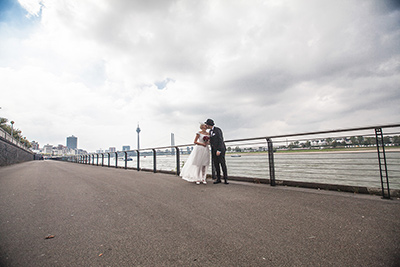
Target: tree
point(396, 140)
point(17, 133)
point(369, 141)
point(295, 144)
point(353, 140)
point(335, 143)
point(386, 140)
point(360, 139)
point(3, 121)
point(328, 141)
point(306, 144)
point(4, 126)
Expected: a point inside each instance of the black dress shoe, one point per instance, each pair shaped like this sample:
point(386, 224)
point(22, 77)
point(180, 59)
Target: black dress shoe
point(217, 182)
point(226, 182)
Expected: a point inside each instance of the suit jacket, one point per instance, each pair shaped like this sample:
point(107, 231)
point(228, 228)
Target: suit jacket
point(217, 140)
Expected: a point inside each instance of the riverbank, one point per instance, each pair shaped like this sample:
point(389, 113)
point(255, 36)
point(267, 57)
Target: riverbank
point(324, 150)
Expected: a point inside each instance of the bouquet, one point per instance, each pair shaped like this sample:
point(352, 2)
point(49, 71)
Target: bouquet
point(206, 138)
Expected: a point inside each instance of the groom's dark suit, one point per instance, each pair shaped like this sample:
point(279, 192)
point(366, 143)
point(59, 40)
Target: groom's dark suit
point(217, 144)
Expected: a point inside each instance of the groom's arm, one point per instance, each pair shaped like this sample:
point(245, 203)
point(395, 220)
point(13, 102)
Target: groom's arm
point(220, 139)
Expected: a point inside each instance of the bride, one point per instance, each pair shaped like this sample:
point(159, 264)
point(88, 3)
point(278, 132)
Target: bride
point(195, 168)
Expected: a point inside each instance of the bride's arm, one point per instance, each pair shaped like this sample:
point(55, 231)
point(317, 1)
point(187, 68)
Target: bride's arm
point(197, 139)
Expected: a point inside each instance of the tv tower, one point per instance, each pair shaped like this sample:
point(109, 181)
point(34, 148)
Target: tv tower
point(138, 141)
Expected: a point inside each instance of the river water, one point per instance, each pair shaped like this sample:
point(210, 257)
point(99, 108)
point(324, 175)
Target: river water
point(344, 168)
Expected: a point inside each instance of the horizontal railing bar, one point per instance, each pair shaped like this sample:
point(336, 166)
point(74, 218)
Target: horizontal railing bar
point(286, 163)
point(342, 179)
point(285, 167)
point(326, 175)
point(327, 169)
point(319, 132)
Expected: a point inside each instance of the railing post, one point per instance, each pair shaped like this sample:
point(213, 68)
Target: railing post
point(102, 159)
point(97, 163)
point(178, 167)
point(382, 166)
point(126, 160)
point(116, 159)
point(109, 159)
point(138, 160)
point(154, 161)
point(271, 162)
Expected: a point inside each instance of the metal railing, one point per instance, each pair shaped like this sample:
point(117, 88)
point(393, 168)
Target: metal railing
point(347, 168)
point(9, 138)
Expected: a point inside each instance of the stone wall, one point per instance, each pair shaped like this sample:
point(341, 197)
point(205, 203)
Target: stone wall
point(11, 154)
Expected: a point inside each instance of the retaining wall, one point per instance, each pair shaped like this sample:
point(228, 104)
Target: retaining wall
point(11, 154)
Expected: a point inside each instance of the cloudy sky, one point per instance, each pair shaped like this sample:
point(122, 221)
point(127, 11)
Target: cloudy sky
point(95, 68)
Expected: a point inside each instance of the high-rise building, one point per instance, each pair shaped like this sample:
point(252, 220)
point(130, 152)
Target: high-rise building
point(112, 149)
point(72, 142)
point(48, 149)
point(126, 148)
point(35, 145)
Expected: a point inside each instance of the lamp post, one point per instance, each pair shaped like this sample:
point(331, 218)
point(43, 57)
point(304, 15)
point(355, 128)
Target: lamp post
point(12, 131)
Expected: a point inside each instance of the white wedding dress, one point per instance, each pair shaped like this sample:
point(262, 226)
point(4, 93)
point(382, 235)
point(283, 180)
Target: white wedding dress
point(195, 168)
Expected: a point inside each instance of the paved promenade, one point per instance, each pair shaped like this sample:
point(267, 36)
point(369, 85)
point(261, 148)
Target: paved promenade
point(114, 217)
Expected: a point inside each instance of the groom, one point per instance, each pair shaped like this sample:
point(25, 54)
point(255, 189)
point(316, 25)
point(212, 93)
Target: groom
point(217, 150)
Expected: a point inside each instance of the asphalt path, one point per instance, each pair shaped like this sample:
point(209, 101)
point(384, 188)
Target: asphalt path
point(101, 216)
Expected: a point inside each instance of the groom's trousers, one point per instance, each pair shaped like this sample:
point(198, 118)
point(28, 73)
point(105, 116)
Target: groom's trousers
point(219, 162)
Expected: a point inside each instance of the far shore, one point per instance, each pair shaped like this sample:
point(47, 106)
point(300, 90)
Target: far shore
point(324, 150)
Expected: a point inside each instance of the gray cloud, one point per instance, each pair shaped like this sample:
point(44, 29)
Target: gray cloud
point(256, 68)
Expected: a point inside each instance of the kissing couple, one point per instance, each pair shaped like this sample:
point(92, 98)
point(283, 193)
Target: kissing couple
point(195, 168)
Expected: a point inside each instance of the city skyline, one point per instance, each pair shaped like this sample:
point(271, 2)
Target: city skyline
point(263, 68)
